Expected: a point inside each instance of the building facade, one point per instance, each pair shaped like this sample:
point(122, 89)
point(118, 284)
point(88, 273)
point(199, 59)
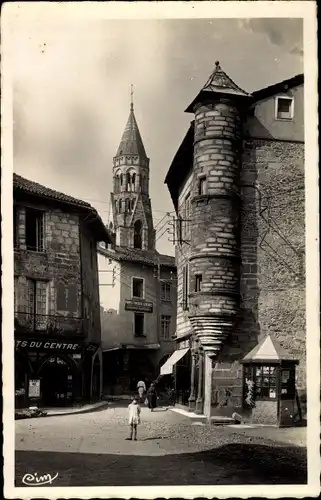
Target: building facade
point(57, 332)
point(237, 185)
point(139, 313)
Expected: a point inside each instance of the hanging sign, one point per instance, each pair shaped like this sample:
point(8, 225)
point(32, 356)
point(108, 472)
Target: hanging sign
point(34, 388)
point(185, 344)
point(138, 305)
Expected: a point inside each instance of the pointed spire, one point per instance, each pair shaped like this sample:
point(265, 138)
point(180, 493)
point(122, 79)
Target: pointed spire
point(132, 97)
point(218, 83)
point(131, 142)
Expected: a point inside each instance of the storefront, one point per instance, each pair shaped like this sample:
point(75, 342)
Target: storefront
point(125, 367)
point(179, 366)
point(52, 372)
point(269, 392)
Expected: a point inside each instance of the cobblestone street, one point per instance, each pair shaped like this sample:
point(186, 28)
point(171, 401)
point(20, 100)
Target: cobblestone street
point(91, 449)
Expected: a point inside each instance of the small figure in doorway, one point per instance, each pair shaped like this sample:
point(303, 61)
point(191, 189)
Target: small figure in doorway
point(171, 396)
point(134, 418)
point(152, 397)
point(141, 387)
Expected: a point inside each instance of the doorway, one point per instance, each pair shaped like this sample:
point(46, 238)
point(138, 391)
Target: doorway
point(57, 382)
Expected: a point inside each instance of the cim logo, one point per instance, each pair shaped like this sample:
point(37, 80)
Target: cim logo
point(35, 480)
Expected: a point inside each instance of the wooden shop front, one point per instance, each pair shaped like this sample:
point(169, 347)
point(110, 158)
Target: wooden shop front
point(48, 372)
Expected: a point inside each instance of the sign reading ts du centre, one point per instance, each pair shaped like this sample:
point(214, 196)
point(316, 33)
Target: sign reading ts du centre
point(48, 345)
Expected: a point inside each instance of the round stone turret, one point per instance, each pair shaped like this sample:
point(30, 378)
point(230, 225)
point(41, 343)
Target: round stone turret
point(214, 261)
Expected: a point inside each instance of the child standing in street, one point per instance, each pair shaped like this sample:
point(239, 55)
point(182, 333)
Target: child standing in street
point(134, 418)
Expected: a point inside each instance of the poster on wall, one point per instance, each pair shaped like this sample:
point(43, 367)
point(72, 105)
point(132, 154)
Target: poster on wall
point(67, 298)
point(34, 388)
point(285, 376)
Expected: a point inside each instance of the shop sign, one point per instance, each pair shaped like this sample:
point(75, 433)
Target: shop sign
point(48, 345)
point(184, 344)
point(138, 305)
point(34, 388)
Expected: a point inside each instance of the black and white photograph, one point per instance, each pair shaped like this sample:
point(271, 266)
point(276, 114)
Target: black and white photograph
point(160, 268)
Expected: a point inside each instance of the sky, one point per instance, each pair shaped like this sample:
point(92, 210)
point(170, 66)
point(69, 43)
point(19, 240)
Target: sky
point(71, 92)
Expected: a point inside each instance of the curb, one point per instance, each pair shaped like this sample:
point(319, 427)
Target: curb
point(226, 421)
point(77, 411)
point(105, 404)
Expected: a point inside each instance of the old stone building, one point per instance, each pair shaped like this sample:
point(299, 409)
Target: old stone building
point(56, 296)
point(237, 185)
point(139, 313)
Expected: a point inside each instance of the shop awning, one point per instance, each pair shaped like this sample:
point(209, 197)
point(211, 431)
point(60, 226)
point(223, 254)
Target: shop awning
point(167, 367)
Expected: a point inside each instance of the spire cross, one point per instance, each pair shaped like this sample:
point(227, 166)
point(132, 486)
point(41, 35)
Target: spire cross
point(132, 97)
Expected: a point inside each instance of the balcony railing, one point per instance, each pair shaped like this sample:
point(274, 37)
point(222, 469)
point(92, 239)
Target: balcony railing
point(29, 322)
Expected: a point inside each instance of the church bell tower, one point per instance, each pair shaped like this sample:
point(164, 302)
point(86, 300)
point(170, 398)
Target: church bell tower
point(131, 205)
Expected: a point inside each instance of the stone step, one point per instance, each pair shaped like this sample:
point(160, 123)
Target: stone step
point(219, 420)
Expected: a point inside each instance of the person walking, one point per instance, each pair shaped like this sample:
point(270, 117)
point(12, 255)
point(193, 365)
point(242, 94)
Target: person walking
point(152, 397)
point(141, 387)
point(134, 418)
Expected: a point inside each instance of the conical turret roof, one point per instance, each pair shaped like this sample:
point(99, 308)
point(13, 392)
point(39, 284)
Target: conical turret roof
point(131, 142)
point(220, 83)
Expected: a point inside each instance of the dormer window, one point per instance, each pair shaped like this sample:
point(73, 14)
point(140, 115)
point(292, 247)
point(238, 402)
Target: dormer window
point(202, 185)
point(284, 108)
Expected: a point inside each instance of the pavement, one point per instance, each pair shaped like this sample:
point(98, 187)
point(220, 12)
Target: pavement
point(90, 449)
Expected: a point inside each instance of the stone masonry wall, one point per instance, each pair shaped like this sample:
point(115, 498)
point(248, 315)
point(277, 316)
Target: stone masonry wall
point(59, 263)
point(215, 225)
point(273, 267)
point(90, 282)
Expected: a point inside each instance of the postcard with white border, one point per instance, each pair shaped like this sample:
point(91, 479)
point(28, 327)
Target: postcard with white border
point(160, 249)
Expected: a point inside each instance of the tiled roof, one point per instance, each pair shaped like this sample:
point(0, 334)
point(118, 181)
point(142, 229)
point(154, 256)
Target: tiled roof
point(268, 350)
point(278, 87)
point(219, 82)
point(148, 257)
point(25, 186)
point(31, 187)
point(131, 142)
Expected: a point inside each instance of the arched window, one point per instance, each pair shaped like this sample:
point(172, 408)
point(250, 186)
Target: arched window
point(121, 179)
point(133, 181)
point(138, 234)
point(127, 205)
point(128, 181)
point(119, 206)
point(132, 204)
point(117, 183)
